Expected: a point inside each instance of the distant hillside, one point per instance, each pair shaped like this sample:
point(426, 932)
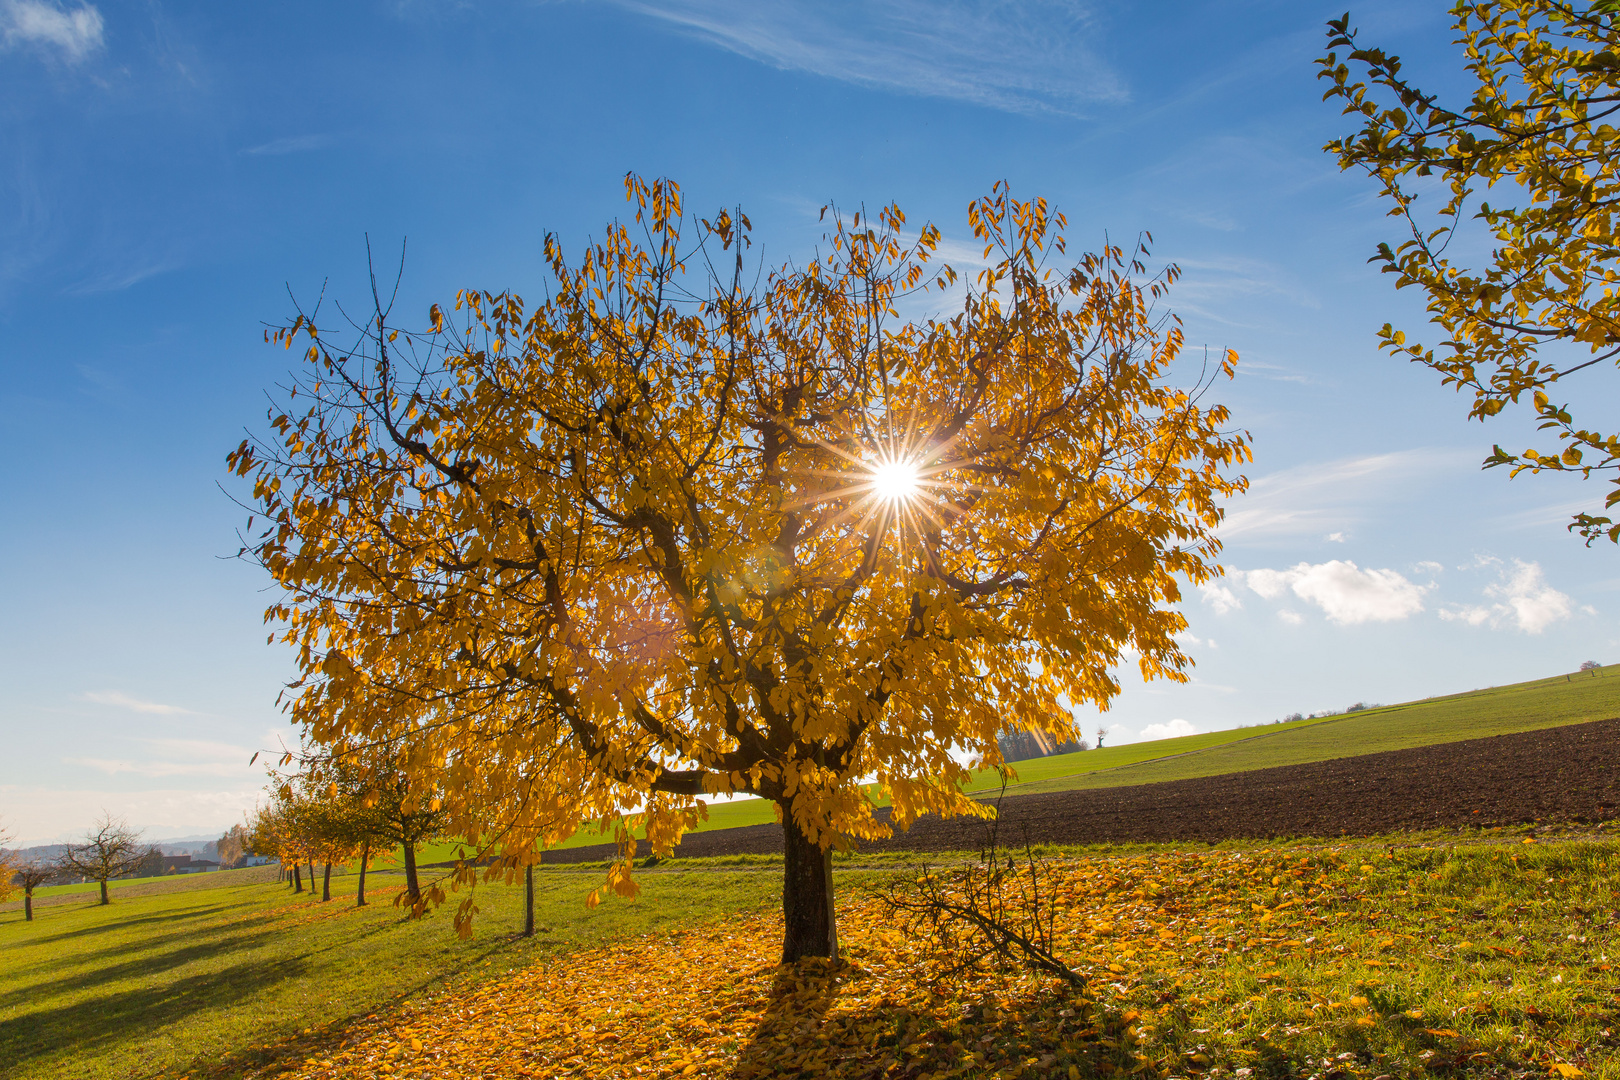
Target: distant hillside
point(1575, 698)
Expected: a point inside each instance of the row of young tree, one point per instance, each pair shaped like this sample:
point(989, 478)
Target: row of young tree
point(351, 803)
point(330, 812)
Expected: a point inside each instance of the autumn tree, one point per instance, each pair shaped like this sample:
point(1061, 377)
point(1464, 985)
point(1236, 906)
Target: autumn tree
point(682, 530)
point(232, 846)
point(110, 849)
point(403, 814)
point(1538, 136)
point(344, 819)
point(273, 833)
point(10, 861)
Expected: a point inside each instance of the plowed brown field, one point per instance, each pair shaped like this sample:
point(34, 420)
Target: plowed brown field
point(1565, 774)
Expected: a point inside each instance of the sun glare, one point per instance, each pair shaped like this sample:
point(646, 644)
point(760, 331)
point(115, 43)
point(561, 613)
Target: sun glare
point(895, 480)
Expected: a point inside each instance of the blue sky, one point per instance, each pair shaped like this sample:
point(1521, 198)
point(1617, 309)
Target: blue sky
point(168, 171)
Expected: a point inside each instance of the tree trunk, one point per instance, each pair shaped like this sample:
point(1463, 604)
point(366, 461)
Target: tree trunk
point(326, 883)
point(807, 896)
point(528, 901)
point(28, 905)
point(297, 879)
point(312, 875)
point(365, 857)
point(412, 891)
point(105, 899)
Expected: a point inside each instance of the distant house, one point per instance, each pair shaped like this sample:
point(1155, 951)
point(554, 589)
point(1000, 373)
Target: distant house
point(185, 864)
point(256, 860)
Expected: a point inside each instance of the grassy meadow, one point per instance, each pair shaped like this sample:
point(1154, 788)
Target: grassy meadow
point(1490, 954)
point(209, 967)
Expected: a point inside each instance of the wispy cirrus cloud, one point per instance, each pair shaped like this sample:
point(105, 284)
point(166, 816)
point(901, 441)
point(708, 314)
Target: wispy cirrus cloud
point(69, 34)
point(1021, 56)
point(172, 757)
point(292, 144)
point(1333, 496)
point(120, 700)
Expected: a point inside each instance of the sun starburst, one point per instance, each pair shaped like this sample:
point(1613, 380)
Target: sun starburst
point(896, 480)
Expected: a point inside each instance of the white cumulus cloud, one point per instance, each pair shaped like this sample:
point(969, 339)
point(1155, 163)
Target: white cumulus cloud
point(1522, 598)
point(1219, 597)
point(1175, 729)
point(1346, 593)
point(73, 32)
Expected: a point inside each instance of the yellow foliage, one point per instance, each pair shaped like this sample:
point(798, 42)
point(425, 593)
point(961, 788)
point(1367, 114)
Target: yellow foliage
point(1537, 129)
point(641, 545)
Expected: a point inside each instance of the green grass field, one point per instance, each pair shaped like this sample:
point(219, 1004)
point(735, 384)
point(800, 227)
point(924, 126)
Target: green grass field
point(202, 967)
point(1501, 942)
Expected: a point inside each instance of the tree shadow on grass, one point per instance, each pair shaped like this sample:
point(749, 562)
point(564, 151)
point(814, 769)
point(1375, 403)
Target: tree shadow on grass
point(97, 1022)
point(149, 964)
point(117, 925)
point(789, 1037)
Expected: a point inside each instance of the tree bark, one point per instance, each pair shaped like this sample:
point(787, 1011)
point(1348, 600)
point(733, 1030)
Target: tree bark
point(365, 857)
point(326, 883)
point(28, 905)
point(312, 875)
point(528, 901)
point(807, 896)
point(413, 892)
point(297, 879)
point(105, 899)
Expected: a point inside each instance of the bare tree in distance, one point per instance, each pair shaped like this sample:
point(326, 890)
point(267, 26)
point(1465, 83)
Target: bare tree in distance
point(1590, 665)
point(30, 874)
point(110, 849)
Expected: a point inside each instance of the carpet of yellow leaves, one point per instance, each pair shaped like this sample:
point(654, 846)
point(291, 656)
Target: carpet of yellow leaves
point(1333, 963)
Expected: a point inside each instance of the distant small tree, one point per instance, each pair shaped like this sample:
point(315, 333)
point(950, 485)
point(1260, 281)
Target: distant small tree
point(29, 874)
point(1291, 717)
point(232, 847)
point(270, 830)
point(351, 821)
point(1101, 731)
point(403, 818)
point(337, 827)
point(1590, 665)
point(110, 849)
